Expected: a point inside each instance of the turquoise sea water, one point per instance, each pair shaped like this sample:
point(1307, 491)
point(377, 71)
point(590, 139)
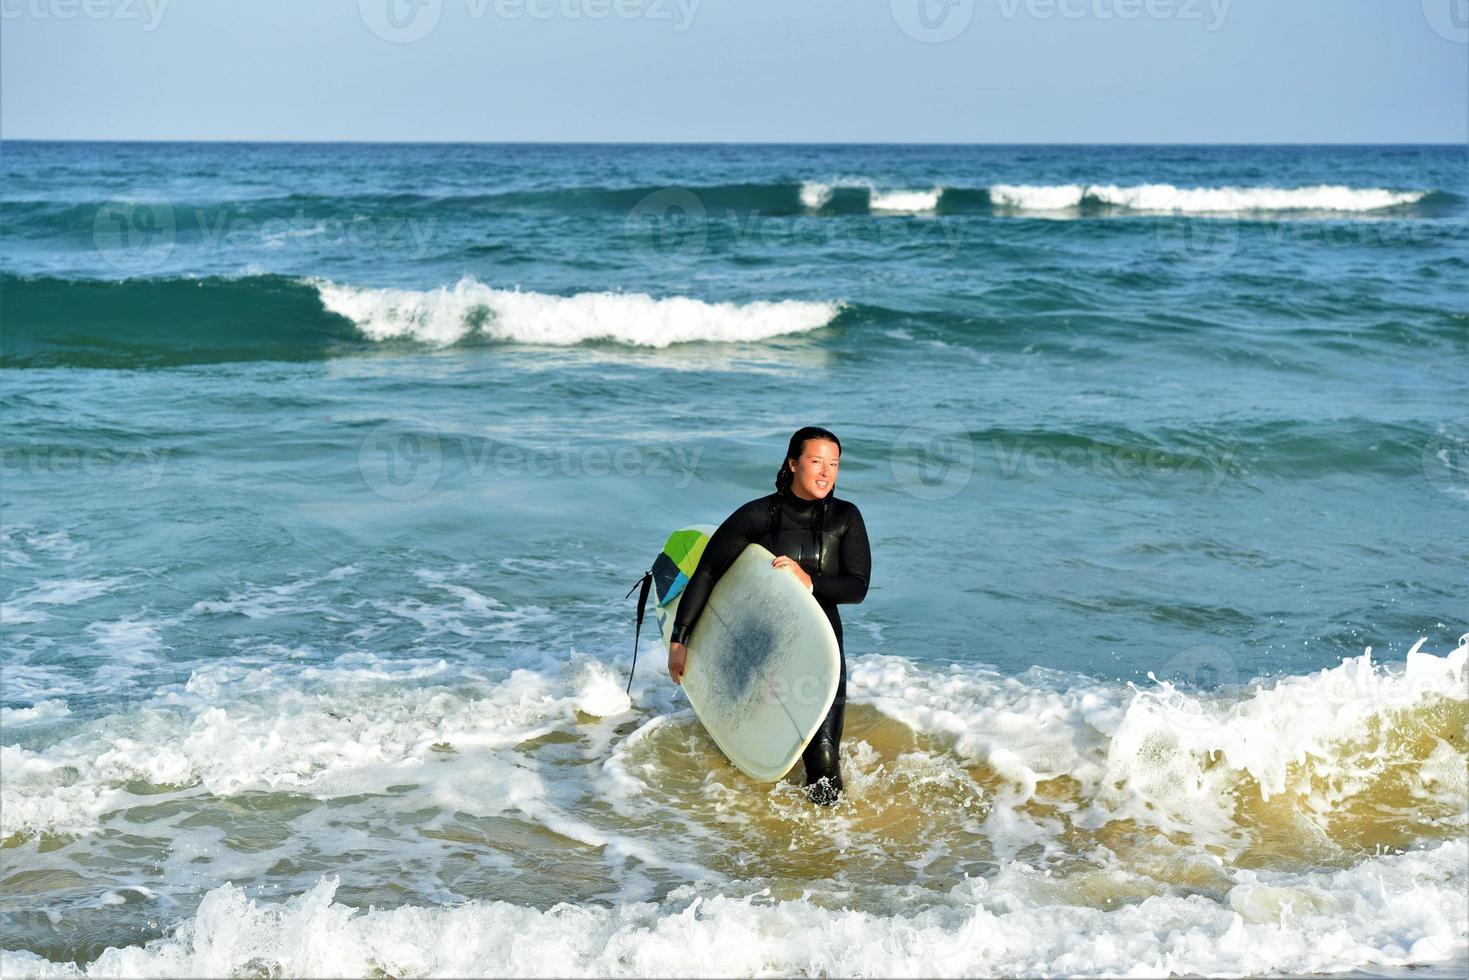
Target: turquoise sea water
point(328, 467)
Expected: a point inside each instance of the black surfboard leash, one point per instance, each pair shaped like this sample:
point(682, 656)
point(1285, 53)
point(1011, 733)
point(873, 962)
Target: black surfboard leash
point(646, 582)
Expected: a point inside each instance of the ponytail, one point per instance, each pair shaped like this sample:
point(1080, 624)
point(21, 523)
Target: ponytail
point(783, 478)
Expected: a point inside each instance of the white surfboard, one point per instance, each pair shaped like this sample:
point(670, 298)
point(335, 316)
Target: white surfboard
point(763, 665)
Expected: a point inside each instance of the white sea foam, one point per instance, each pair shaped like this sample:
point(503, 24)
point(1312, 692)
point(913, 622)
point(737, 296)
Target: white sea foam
point(128, 640)
point(816, 195)
point(263, 601)
point(41, 797)
point(24, 608)
point(1162, 757)
point(1201, 200)
point(23, 544)
point(473, 614)
point(1388, 911)
point(37, 682)
point(42, 711)
point(1159, 756)
point(450, 314)
point(358, 725)
point(1037, 197)
point(906, 201)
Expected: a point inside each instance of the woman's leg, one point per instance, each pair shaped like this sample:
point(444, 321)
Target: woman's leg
point(821, 757)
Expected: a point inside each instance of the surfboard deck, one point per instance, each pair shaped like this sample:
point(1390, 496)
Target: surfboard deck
point(763, 665)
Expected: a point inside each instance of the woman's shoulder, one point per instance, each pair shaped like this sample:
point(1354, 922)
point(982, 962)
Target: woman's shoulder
point(755, 511)
point(759, 503)
point(843, 512)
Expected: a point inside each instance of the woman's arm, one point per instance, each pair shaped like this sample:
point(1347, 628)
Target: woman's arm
point(851, 584)
point(725, 545)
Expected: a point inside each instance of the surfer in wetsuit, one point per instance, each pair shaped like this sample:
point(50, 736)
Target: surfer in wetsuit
point(822, 542)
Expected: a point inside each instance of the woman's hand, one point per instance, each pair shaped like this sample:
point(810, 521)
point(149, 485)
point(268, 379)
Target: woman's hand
point(678, 655)
point(781, 561)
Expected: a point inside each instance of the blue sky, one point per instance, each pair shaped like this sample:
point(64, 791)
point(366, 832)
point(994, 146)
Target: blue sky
point(738, 70)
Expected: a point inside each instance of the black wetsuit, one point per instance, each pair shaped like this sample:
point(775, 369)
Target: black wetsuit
point(839, 563)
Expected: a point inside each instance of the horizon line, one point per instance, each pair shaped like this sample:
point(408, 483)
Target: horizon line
point(458, 142)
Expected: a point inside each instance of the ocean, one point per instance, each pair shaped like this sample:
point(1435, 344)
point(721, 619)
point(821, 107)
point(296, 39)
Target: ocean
point(327, 468)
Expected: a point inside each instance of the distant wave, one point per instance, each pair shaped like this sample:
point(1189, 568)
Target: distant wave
point(148, 323)
point(1200, 200)
point(862, 196)
point(849, 196)
point(865, 196)
point(832, 197)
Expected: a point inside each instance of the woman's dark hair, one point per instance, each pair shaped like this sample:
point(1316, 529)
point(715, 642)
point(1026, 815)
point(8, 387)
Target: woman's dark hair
point(784, 477)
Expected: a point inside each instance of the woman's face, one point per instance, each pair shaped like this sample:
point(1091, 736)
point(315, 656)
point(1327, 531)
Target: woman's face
point(815, 470)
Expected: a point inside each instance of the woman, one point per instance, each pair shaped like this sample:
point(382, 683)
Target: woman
point(822, 542)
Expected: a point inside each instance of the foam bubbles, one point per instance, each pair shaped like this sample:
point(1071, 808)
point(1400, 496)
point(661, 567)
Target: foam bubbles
point(1020, 923)
point(1040, 823)
point(41, 712)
